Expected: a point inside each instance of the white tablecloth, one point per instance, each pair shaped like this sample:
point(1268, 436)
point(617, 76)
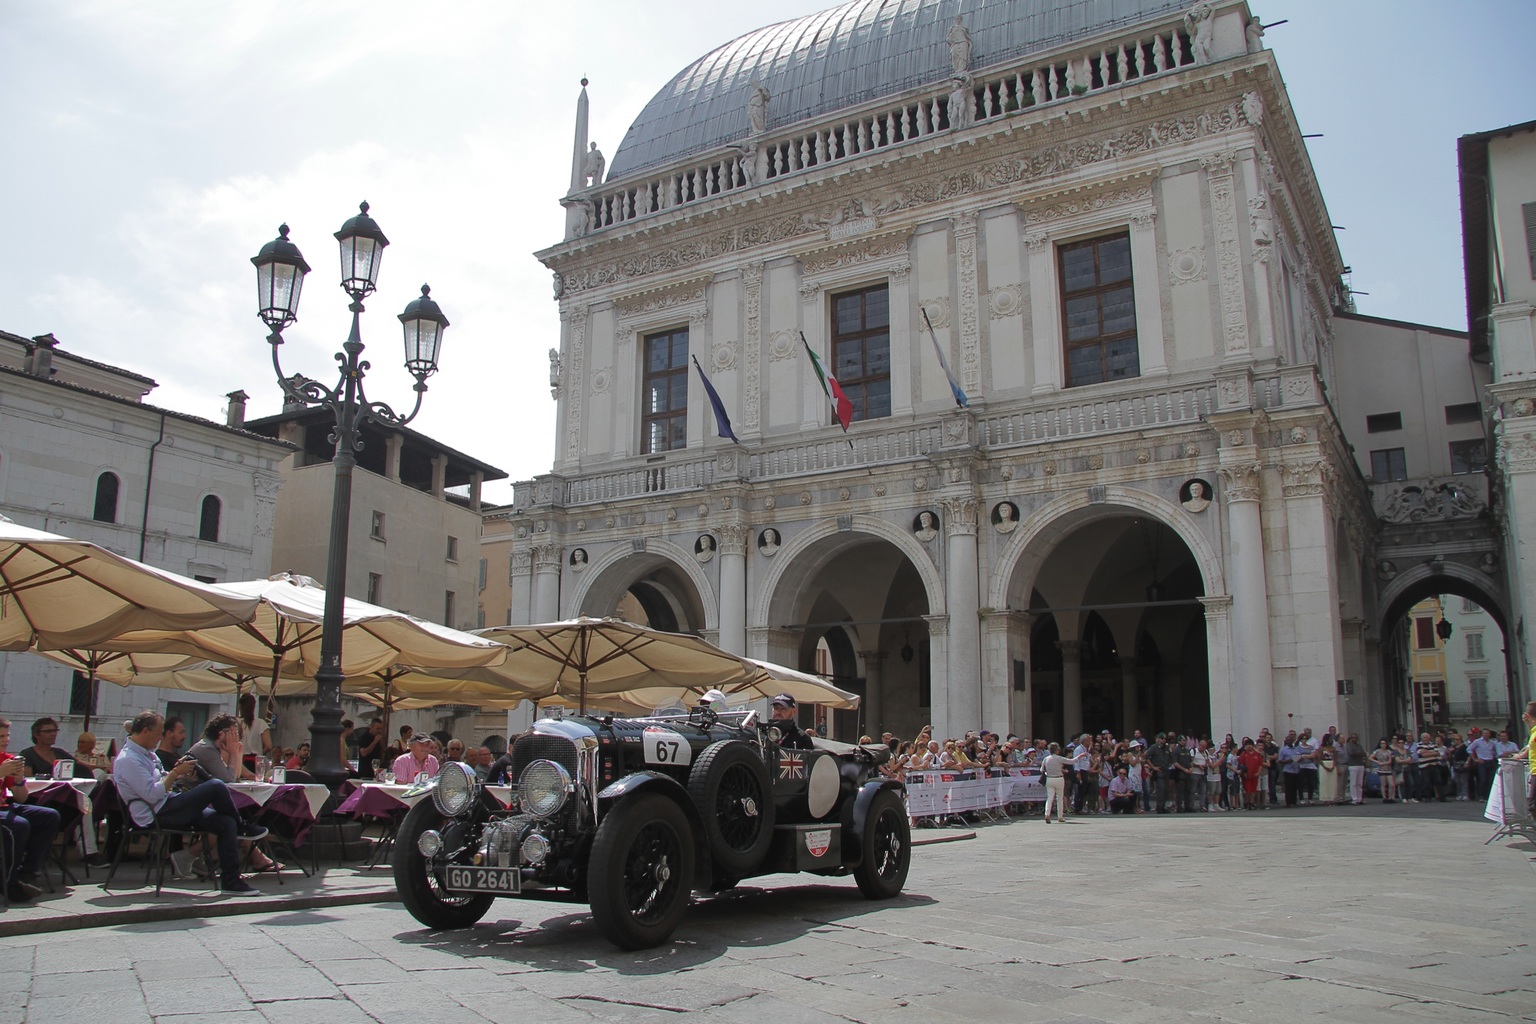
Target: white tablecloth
point(261, 792)
point(82, 787)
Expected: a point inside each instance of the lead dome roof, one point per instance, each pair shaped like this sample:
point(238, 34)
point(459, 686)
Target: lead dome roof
point(848, 55)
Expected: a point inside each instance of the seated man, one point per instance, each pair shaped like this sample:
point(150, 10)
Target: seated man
point(42, 754)
point(206, 806)
point(26, 830)
point(418, 760)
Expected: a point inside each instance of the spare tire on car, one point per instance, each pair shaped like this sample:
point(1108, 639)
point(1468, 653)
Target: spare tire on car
point(729, 785)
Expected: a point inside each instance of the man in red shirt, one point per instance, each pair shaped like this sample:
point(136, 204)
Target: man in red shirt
point(27, 830)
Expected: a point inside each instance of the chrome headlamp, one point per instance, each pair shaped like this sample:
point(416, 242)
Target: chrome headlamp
point(543, 788)
point(456, 788)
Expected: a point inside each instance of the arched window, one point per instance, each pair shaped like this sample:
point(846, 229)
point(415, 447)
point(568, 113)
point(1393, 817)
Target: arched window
point(106, 498)
point(208, 528)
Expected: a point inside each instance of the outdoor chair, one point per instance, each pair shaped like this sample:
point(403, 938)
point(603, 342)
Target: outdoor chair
point(159, 849)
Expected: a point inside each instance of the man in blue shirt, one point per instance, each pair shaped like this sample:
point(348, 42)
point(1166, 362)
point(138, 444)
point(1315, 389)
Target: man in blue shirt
point(207, 806)
point(1292, 753)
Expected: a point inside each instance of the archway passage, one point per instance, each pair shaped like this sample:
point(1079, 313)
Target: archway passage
point(1445, 660)
point(1117, 638)
point(852, 606)
point(649, 590)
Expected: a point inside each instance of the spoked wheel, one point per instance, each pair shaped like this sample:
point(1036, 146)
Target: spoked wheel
point(641, 871)
point(729, 785)
point(421, 883)
point(887, 848)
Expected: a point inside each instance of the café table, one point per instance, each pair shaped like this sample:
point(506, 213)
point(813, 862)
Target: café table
point(70, 797)
point(387, 802)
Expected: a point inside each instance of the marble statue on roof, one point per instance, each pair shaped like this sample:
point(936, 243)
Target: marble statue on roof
point(959, 39)
point(757, 107)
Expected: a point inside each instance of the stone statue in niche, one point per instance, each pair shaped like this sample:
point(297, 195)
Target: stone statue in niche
point(1202, 31)
point(578, 559)
point(554, 373)
point(1005, 517)
point(927, 526)
point(961, 100)
point(959, 39)
point(757, 107)
point(1259, 222)
point(1253, 32)
point(593, 166)
point(1195, 496)
point(768, 542)
point(704, 547)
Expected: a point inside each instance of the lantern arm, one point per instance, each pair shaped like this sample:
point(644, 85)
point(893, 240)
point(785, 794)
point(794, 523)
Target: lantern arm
point(300, 388)
point(382, 412)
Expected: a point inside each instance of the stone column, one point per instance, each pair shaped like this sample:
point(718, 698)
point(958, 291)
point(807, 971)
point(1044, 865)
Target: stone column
point(439, 475)
point(1218, 647)
point(1129, 712)
point(520, 581)
point(938, 675)
point(1251, 678)
point(1045, 313)
point(1149, 304)
point(1310, 558)
point(962, 596)
point(873, 704)
point(1353, 708)
point(1071, 687)
point(393, 445)
point(997, 711)
point(732, 556)
point(546, 582)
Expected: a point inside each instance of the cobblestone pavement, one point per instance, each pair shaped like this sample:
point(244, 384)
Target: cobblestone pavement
point(1279, 916)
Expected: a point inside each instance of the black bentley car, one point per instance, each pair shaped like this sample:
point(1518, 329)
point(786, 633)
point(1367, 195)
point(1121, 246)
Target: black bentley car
point(633, 815)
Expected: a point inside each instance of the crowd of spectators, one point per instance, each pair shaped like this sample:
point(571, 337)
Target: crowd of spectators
point(1172, 772)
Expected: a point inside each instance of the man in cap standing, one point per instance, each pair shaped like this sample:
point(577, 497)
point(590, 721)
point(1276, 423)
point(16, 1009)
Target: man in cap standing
point(783, 719)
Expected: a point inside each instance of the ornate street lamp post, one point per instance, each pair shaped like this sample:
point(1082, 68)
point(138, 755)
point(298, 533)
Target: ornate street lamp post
point(280, 270)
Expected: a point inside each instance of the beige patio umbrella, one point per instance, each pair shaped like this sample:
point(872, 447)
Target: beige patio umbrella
point(767, 682)
point(59, 592)
point(282, 636)
point(588, 657)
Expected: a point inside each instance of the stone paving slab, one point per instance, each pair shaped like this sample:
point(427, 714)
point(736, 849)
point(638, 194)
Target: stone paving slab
point(1215, 921)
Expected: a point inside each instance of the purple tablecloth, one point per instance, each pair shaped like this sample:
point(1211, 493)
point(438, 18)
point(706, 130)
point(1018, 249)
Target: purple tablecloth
point(290, 805)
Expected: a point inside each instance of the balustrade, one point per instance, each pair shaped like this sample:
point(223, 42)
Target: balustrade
point(994, 97)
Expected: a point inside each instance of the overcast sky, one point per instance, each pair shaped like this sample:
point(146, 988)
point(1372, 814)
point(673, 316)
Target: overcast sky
point(152, 147)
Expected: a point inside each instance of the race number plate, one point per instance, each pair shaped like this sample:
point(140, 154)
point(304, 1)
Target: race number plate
point(665, 747)
point(471, 879)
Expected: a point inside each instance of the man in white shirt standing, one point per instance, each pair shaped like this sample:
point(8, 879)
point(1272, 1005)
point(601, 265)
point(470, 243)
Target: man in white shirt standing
point(146, 789)
point(1055, 767)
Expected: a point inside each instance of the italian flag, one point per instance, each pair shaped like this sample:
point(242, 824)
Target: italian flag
point(842, 408)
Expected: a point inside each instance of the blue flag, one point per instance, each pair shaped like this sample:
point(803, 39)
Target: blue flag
point(721, 419)
point(954, 386)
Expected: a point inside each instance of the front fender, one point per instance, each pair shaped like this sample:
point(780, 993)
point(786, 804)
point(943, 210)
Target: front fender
point(866, 796)
point(656, 782)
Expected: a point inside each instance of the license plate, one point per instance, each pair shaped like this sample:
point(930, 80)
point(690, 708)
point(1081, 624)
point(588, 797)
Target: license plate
point(472, 879)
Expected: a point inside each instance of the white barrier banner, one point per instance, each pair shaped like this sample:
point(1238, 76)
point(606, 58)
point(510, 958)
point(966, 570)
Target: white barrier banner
point(941, 793)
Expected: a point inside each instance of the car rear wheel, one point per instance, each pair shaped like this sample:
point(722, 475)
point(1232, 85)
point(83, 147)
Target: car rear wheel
point(421, 883)
point(886, 846)
point(729, 785)
point(641, 871)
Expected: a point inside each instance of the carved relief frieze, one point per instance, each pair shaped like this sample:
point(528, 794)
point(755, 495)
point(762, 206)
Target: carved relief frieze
point(1229, 261)
point(970, 313)
point(689, 299)
point(1008, 172)
point(887, 247)
point(722, 355)
point(1430, 500)
point(1076, 207)
point(1302, 480)
point(600, 379)
point(576, 354)
point(752, 345)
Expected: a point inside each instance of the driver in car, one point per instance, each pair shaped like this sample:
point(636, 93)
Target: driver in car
point(784, 720)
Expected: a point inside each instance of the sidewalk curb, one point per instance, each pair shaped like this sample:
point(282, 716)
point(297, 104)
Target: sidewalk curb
point(187, 910)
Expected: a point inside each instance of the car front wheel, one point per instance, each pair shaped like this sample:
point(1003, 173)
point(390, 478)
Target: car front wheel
point(641, 871)
point(421, 882)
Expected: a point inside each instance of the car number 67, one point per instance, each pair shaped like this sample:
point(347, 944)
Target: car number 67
point(663, 746)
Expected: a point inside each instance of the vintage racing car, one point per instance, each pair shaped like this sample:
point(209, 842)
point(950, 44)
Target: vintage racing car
point(633, 815)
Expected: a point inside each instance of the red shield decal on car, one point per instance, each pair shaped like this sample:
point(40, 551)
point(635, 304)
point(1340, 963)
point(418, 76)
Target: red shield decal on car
point(818, 842)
